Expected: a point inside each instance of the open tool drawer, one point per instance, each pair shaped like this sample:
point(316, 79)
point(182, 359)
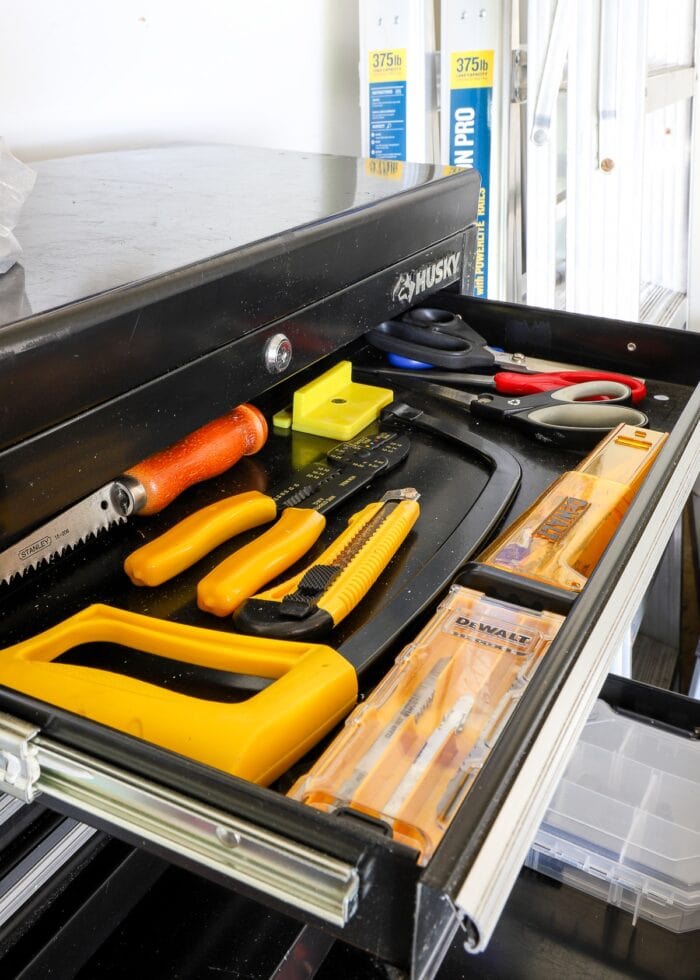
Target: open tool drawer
point(336, 873)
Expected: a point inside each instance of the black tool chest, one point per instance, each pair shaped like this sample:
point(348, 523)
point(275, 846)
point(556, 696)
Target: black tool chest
point(93, 386)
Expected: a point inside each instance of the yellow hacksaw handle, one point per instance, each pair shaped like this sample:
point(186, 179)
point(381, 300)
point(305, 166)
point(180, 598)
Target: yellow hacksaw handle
point(258, 739)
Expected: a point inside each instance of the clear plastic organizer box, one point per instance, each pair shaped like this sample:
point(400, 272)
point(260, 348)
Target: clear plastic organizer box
point(624, 823)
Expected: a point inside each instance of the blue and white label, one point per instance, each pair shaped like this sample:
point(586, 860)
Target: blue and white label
point(387, 104)
point(471, 96)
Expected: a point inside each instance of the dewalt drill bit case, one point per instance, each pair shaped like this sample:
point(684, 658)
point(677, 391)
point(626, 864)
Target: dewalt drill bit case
point(217, 276)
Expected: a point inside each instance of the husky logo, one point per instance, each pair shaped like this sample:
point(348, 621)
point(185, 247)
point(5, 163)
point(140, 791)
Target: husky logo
point(404, 289)
point(412, 284)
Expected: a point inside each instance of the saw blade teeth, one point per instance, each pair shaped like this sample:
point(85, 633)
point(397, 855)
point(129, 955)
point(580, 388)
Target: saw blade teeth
point(95, 532)
point(76, 525)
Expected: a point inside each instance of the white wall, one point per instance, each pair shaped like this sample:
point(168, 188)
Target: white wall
point(86, 75)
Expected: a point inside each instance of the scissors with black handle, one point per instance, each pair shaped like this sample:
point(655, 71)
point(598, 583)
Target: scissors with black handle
point(564, 417)
point(438, 338)
point(425, 338)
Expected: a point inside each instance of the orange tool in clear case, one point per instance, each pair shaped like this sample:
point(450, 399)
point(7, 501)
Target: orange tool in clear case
point(561, 537)
point(409, 754)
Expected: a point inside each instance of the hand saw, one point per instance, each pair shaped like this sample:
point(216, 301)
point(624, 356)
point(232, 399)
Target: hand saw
point(144, 489)
point(302, 504)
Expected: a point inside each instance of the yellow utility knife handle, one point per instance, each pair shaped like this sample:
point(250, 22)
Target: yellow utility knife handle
point(197, 535)
point(357, 578)
point(258, 615)
point(313, 688)
point(240, 576)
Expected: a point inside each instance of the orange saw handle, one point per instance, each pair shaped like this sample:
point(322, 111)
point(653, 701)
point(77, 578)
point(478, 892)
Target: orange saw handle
point(255, 564)
point(202, 454)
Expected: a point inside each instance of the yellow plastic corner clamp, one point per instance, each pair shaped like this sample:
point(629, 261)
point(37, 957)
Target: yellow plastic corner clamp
point(258, 739)
point(337, 407)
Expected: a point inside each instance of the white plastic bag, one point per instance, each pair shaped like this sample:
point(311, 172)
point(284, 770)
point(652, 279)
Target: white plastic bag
point(16, 182)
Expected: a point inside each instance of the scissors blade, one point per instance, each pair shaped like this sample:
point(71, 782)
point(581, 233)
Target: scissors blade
point(401, 375)
point(526, 364)
point(441, 392)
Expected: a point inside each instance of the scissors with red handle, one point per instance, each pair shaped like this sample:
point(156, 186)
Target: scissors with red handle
point(512, 383)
